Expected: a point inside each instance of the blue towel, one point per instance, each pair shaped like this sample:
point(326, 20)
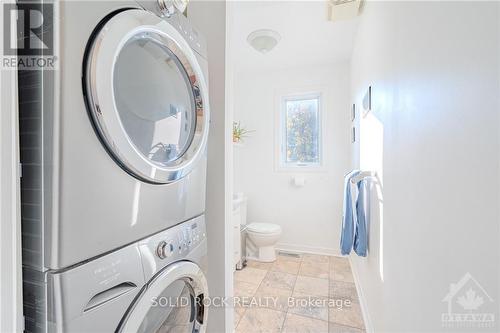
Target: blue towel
point(349, 218)
point(361, 222)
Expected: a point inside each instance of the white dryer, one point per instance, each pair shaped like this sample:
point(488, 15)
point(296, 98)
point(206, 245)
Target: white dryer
point(155, 285)
point(114, 146)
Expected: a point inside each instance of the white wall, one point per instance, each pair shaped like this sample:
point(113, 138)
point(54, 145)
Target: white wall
point(433, 136)
point(309, 216)
point(210, 18)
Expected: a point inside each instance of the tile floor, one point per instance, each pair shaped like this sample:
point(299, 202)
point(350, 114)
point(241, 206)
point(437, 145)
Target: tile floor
point(311, 293)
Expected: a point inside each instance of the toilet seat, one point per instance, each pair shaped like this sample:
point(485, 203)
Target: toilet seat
point(264, 228)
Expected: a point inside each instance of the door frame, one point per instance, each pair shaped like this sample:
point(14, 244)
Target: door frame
point(11, 298)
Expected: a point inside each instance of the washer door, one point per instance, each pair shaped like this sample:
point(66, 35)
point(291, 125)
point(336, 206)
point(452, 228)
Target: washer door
point(171, 302)
point(147, 96)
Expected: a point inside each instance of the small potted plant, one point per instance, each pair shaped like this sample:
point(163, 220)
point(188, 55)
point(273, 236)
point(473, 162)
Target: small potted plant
point(239, 132)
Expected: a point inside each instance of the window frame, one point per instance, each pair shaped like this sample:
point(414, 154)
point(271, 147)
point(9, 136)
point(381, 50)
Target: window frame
point(280, 155)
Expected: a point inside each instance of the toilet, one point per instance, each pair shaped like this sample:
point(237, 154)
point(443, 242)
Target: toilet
point(255, 240)
point(264, 236)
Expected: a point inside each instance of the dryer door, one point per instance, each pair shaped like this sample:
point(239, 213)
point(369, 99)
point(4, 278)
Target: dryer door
point(146, 96)
point(171, 302)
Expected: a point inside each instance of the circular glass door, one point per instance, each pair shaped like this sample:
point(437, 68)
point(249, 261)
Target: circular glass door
point(154, 99)
point(147, 96)
point(173, 311)
point(171, 302)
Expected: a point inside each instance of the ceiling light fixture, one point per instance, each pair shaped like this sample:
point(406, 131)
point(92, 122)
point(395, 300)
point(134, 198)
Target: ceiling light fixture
point(263, 40)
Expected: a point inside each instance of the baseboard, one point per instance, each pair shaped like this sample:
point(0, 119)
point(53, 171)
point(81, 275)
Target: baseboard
point(362, 299)
point(306, 249)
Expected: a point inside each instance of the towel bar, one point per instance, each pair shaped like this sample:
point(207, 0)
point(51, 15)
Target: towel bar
point(362, 175)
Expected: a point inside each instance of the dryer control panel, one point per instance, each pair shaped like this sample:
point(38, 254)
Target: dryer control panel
point(190, 34)
point(165, 10)
point(177, 243)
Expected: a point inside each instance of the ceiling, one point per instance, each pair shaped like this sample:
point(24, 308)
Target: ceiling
point(307, 37)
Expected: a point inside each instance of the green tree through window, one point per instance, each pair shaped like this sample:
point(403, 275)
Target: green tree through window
point(301, 131)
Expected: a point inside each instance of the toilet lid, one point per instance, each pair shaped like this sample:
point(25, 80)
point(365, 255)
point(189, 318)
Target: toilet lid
point(265, 228)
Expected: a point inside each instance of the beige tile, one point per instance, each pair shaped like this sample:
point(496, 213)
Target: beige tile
point(279, 280)
point(238, 313)
point(311, 286)
point(261, 320)
point(171, 328)
point(237, 318)
point(250, 275)
point(240, 310)
point(281, 257)
point(343, 290)
point(299, 324)
point(335, 328)
point(309, 306)
point(286, 266)
point(348, 316)
point(314, 269)
point(273, 298)
point(260, 265)
point(315, 258)
point(339, 262)
point(244, 289)
point(341, 274)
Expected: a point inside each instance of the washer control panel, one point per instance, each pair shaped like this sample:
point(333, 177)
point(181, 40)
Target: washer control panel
point(164, 249)
point(184, 241)
point(176, 242)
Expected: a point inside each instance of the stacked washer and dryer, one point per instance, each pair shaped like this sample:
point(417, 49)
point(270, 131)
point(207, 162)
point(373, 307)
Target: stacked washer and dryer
point(113, 152)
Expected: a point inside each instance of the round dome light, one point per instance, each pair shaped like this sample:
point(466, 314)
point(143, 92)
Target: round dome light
point(263, 40)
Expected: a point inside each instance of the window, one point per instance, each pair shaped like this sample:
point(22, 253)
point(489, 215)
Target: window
point(300, 137)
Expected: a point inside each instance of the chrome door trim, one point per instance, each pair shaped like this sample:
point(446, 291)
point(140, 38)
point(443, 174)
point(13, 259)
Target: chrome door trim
point(98, 85)
point(186, 271)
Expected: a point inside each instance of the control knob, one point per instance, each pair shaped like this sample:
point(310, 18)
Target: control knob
point(164, 250)
point(167, 7)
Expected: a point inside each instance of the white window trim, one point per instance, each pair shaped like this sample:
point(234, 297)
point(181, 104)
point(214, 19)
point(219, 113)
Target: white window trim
point(280, 110)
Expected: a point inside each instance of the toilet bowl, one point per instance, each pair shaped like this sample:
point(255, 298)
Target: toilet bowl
point(264, 236)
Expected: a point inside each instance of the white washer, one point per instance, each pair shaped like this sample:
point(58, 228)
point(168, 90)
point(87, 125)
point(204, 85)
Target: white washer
point(114, 145)
point(155, 285)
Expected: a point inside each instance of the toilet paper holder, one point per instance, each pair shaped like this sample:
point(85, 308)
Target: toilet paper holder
point(298, 181)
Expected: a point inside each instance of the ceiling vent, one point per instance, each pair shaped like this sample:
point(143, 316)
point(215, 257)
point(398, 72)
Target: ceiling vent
point(339, 10)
